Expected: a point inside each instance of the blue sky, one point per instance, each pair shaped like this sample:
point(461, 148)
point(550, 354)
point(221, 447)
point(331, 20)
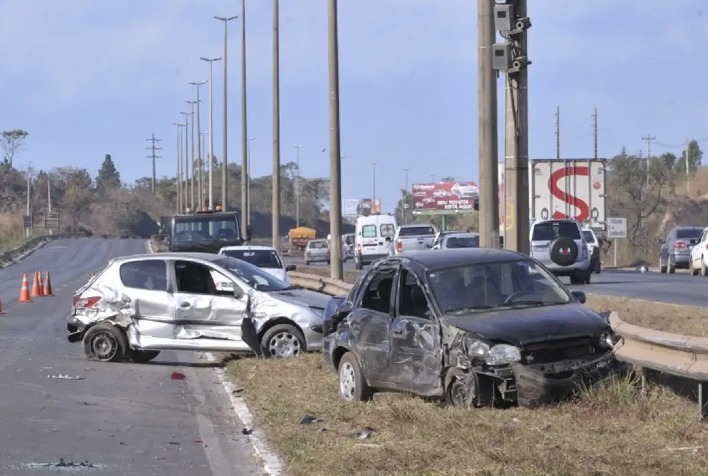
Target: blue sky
point(88, 77)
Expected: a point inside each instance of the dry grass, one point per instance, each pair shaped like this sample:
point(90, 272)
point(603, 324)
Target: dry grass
point(616, 430)
point(11, 232)
point(688, 320)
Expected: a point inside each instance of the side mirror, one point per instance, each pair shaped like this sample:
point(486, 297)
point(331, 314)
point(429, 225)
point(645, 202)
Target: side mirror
point(290, 267)
point(580, 296)
point(342, 311)
point(238, 293)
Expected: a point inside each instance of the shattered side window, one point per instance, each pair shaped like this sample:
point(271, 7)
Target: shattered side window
point(412, 300)
point(148, 274)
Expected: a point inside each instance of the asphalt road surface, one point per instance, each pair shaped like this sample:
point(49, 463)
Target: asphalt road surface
point(123, 418)
point(679, 288)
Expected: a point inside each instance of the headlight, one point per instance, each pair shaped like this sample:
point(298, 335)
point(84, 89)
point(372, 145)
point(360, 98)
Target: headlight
point(317, 310)
point(503, 354)
point(608, 339)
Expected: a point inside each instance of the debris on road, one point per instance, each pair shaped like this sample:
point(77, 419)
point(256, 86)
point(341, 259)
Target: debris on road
point(66, 377)
point(247, 431)
point(309, 419)
point(177, 376)
point(64, 465)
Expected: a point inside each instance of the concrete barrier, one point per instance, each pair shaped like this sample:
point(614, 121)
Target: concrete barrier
point(10, 257)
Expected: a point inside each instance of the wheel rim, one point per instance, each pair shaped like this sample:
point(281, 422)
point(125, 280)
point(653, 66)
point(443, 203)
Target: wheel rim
point(104, 346)
point(284, 344)
point(461, 393)
point(347, 381)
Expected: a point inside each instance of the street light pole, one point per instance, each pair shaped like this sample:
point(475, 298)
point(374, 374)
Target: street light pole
point(297, 188)
point(373, 205)
point(224, 168)
point(211, 129)
point(200, 180)
point(189, 179)
point(275, 203)
point(186, 158)
point(335, 155)
point(405, 202)
point(248, 189)
point(180, 191)
point(244, 125)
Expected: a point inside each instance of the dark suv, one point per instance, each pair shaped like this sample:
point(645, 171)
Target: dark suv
point(676, 249)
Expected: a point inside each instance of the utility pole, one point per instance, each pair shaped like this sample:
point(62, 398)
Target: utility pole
point(154, 156)
point(688, 169)
point(224, 167)
point(405, 202)
point(180, 189)
point(558, 133)
point(594, 128)
point(335, 155)
point(200, 178)
point(244, 126)
point(189, 179)
point(297, 188)
point(488, 140)
point(373, 168)
point(211, 128)
point(248, 189)
point(275, 206)
point(649, 140)
point(511, 57)
point(29, 195)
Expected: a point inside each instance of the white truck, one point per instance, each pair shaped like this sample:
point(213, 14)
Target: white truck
point(561, 189)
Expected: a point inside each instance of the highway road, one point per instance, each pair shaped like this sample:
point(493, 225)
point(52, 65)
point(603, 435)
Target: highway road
point(123, 418)
point(679, 288)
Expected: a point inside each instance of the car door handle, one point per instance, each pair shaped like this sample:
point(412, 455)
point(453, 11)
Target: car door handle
point(184, 305)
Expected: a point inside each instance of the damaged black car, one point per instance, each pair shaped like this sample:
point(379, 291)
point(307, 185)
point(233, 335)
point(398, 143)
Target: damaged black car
point(476, 327)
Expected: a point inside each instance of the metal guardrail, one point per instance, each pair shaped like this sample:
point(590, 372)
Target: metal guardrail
point(664, 352)
point(9, 257)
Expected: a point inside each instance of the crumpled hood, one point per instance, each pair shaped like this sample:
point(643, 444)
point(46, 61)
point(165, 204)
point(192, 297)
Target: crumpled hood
point(302, 297)
point(520, 327)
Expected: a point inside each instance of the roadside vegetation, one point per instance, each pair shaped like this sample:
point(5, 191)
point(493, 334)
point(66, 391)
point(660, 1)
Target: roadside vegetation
point(617, 429)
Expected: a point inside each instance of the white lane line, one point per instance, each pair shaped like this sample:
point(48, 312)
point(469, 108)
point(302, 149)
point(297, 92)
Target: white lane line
point(271, 461)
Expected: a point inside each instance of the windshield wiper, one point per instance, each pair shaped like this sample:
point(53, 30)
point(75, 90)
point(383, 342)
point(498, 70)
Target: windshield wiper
point(478, 307)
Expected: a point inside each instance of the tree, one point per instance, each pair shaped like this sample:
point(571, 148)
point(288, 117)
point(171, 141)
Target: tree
point(11, 142)
point(108, 177)
point(694, 155)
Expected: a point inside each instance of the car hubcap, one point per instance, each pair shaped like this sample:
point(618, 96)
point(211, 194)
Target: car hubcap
point(462, 391)
point(347, 381)
point(104, 346)
point(284, 344)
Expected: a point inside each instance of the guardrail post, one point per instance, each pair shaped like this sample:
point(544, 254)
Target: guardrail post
point(703, 399)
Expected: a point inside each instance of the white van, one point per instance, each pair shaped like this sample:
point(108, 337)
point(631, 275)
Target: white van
point(374, 238)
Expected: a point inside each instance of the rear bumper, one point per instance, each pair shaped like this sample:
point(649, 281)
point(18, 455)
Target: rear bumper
point(370, 258)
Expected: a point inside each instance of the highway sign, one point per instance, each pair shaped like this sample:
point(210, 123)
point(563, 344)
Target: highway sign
point(616, 228)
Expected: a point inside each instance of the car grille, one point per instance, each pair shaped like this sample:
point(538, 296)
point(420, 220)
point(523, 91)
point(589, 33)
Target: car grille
point(559, 350)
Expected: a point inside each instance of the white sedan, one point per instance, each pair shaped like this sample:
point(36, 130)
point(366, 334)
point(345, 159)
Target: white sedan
point(265, 257)
point(698, 262)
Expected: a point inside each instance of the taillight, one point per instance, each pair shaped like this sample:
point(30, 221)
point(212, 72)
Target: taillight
point(680, 245)
point(399, 245)
point(88, 302)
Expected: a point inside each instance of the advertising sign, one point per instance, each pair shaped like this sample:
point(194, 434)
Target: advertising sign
point(369, 207)
point(350, 207)
point(616, 227)
point(445, 197)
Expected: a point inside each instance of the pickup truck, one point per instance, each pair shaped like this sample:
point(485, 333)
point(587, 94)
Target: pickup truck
point(414, 238)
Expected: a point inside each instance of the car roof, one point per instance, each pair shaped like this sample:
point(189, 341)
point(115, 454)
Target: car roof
point(448, 258)
point(248, 247)
point(210, 257)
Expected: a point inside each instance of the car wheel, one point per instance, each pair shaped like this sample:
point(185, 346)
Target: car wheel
point(307, 263)
point(691, 270)
point(588, 277)
point(328, 262)
point(142, 356)
point(352, 384)
point(283, 341)
point(704, 269)
point(598, 266)
point(575, 278)
point(105, 342)
point(662, 267)
point(671, 267)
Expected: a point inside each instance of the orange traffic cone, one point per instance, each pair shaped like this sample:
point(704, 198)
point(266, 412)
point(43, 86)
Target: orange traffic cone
point(47, 291)
point(36, 289)
point(24, 290)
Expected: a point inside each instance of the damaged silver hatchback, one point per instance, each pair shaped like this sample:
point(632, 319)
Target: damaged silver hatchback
point(140, 305)
point(473, 326)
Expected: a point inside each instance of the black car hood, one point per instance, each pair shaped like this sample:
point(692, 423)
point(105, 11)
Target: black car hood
point(521, 327)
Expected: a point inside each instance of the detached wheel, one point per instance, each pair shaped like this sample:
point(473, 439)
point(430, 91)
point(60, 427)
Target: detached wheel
point(282, 341)
point(105, 342)
point(352, 384)
point(142, 356)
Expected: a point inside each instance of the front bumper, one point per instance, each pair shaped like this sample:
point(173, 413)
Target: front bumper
point(541, 384)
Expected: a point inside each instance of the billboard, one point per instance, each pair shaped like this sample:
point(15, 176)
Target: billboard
point(350, 207)
point(445, 197)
